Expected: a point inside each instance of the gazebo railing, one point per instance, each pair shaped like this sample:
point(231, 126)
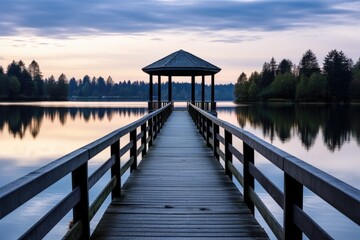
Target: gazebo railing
point(157, 105)
point(207, 106)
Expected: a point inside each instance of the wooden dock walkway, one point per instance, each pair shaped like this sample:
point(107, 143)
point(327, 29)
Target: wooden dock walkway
point(179, 191)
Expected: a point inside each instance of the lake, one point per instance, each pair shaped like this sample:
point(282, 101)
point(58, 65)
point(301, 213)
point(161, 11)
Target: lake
point(34, 134)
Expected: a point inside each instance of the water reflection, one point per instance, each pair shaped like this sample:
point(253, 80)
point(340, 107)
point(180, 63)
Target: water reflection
point(22, 120)
point(338, 123)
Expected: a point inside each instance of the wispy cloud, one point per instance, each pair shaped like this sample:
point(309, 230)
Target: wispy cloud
point(68, 18)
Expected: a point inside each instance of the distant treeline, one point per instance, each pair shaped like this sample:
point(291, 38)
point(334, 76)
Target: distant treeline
point(337, 81)
point(27, 83)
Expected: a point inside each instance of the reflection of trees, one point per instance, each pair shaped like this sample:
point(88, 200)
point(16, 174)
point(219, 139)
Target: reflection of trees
point(20, 119)
point(337, 126)
point(338, 122)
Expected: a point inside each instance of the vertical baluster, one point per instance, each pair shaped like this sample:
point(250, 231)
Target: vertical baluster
point(79, 179)
point(293, 196)
point(133, 150)
point(208, 123)
point(216, 141)
point(143, 139)
point(115, 169)
point(203, 121)
point(248, 178)
point(228, 154)
point(151, 132)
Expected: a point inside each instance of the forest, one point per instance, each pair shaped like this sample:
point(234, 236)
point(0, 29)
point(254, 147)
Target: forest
point(19, 82)
point(337, 81)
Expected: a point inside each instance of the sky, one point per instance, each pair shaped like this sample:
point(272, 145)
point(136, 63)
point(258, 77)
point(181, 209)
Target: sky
point(118, 38)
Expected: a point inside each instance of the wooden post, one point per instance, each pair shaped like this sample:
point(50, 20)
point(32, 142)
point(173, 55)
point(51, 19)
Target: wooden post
point(228, 154)
point(143, 139)
point(151, 131)
point(203, 121)
point(203, 92)
point(170, 89)
point(216, 141)
point(293, 196)
point(159, 91)
point(208, 122)
point(150, 93)
point(248, 178)
point(133, 150)
point(79, 179)
point(193, 89)
point(115, 169)
point(213, 107)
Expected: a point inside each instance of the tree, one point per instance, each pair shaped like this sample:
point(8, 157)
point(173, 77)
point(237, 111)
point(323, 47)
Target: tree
point(308, 64)
point(267, 75)
point(19, 70)
point(284, 86)
point(14, 86)
point(254, 88)
point(4, 86)
point(51, 89)
point(101, 86)
point(273, 66)
point(1, 70)
point(62, 86)
point(354, 92)
point(285, 66)
point(337, 69)
point(73, 87)
point(241, 90)
point(109, 85)
point(34, 70)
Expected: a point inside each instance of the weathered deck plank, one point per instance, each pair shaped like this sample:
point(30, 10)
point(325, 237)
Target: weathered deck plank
point(179, 191)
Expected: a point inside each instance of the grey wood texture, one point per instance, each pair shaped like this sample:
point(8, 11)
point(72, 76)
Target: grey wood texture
point(179, 191)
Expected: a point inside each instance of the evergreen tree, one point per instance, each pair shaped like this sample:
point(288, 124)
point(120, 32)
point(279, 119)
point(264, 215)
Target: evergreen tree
point(273, 66)
point(337, 69)
point(285, 66)
point(62, 86)
point(355, 83)
point(308, 64)
point(73, 88)
point(4, 86)
point(241, 90)
point(267, 75)
point(14, 87)
point(34, 70)
point(101, 86)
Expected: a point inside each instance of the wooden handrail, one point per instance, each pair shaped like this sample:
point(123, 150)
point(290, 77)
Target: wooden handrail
point(297, 175)
point(16, 193)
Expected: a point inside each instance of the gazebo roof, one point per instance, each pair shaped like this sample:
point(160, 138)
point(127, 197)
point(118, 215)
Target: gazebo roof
point(181, 63)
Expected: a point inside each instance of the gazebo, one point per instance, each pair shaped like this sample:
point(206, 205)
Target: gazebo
point(182, 63)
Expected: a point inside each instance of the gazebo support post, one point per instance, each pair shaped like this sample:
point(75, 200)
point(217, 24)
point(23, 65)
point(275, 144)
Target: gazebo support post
point(203, 92)
point(150, 103)
point(170, 89)
point(213, 104)
point(193, 89)
point(159, 91)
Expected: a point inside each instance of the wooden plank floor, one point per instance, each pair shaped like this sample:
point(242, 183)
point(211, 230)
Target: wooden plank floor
point(180, 191)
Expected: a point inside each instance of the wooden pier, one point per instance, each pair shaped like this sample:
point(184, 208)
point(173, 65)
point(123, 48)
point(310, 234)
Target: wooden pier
point(179, 191)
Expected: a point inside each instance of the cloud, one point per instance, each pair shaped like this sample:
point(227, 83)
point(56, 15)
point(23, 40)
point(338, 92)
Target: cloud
point(62, 19)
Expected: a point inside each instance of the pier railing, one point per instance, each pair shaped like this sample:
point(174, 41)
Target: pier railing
point(297, 175)
point(15, 194)
point(157, 105)
point(206, 106)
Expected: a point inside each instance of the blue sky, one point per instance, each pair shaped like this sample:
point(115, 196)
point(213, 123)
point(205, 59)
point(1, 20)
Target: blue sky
point(118, 38)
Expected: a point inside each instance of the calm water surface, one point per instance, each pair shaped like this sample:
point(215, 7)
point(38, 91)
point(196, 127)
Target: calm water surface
point(34, 134)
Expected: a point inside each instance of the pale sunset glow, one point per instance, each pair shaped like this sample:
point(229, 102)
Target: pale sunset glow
point(118, 39)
